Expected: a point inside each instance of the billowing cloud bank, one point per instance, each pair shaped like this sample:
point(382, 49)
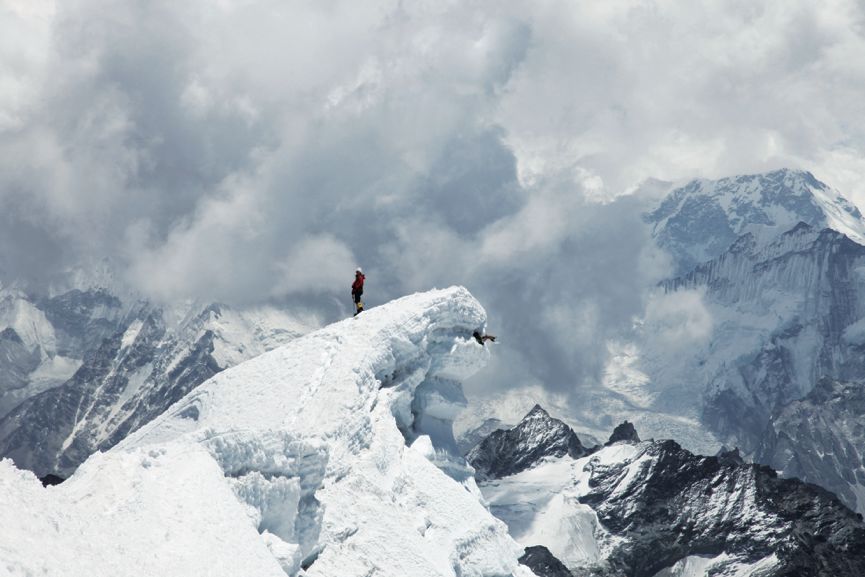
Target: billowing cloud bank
point(257, 149)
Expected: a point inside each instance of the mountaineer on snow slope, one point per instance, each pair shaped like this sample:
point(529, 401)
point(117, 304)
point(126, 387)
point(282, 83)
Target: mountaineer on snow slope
point(357, 290)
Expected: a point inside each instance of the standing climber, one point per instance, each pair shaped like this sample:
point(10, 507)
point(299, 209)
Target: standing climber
point(357, 290)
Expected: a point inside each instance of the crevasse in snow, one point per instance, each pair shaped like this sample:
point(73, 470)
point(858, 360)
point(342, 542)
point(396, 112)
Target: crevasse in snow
point(332, 455)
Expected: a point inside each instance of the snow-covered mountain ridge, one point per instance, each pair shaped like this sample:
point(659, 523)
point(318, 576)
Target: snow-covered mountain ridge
point(332, 455)
point(82, 368)
point(652, 509)
point(700, 220)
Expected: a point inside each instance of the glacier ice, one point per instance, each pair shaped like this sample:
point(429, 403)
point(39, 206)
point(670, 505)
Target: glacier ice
point(331, 455)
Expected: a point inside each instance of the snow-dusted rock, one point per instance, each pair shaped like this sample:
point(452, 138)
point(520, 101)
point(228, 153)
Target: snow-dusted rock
point(821, 439)
point(544, 564)
point(653, 508)
point(329, 456)
point(503, 408)
point(538, 436)
point(786, 315)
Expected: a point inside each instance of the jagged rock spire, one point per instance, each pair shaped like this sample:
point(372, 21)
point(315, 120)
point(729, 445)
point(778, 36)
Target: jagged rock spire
point(624, 432)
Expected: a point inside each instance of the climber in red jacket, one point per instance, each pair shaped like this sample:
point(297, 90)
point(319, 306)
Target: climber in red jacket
point(357, 290)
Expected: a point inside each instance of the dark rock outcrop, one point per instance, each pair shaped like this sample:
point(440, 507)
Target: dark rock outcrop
point(536, 437)
point(543, 563)
point(666, 504)
point(624, 432)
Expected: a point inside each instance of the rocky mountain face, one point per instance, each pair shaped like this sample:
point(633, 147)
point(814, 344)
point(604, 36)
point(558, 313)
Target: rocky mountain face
point(771, 268)
point(788, 314)
point(670, 504)
point(505, 452)
point(821, 439)
point(624, 432)
point(543, 563)
point(653, 508)
point(44, 339)
point(82, 369)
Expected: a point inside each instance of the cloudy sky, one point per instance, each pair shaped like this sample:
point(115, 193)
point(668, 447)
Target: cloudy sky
point(257, 150)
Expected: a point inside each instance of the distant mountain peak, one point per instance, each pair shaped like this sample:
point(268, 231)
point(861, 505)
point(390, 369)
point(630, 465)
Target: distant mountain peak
point(624, 432)
point(537, 412)
point(699, 221)
point(537, 436)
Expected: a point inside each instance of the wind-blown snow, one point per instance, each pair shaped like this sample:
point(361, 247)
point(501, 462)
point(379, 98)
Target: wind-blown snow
point(332, 455)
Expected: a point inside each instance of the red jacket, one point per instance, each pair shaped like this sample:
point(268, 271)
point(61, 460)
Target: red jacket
point(357, 285)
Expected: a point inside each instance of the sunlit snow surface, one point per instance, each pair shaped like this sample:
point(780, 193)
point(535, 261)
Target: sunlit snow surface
point(332, 453)
point(541, 506)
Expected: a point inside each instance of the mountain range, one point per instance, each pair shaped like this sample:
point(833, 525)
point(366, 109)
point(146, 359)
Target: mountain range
point(765, 303)
point(332, 452)
point(84, 368)
point(654, 509)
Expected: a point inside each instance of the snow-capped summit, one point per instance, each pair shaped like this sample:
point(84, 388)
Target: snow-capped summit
point(537, 436)
point(700, 220)
point(332, 455)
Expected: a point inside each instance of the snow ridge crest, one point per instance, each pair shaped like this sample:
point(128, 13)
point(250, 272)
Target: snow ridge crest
point(331, 455)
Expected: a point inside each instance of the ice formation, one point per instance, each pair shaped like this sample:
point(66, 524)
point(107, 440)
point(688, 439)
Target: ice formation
point(330, 456)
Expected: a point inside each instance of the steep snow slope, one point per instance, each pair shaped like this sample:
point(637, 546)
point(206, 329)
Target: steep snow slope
point(647, 509)
point(338, 445)
point(701, 220)
point(165, 511)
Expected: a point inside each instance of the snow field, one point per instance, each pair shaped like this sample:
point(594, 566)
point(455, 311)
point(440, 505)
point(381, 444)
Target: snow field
point(159, 511)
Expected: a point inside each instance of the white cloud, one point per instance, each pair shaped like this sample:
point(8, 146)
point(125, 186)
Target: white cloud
point(319, 264)
point(218, 150)
point(678, 320)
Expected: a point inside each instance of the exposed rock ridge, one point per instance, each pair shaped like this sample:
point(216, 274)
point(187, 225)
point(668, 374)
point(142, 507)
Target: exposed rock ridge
point(667, 504)
point(536, 437)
